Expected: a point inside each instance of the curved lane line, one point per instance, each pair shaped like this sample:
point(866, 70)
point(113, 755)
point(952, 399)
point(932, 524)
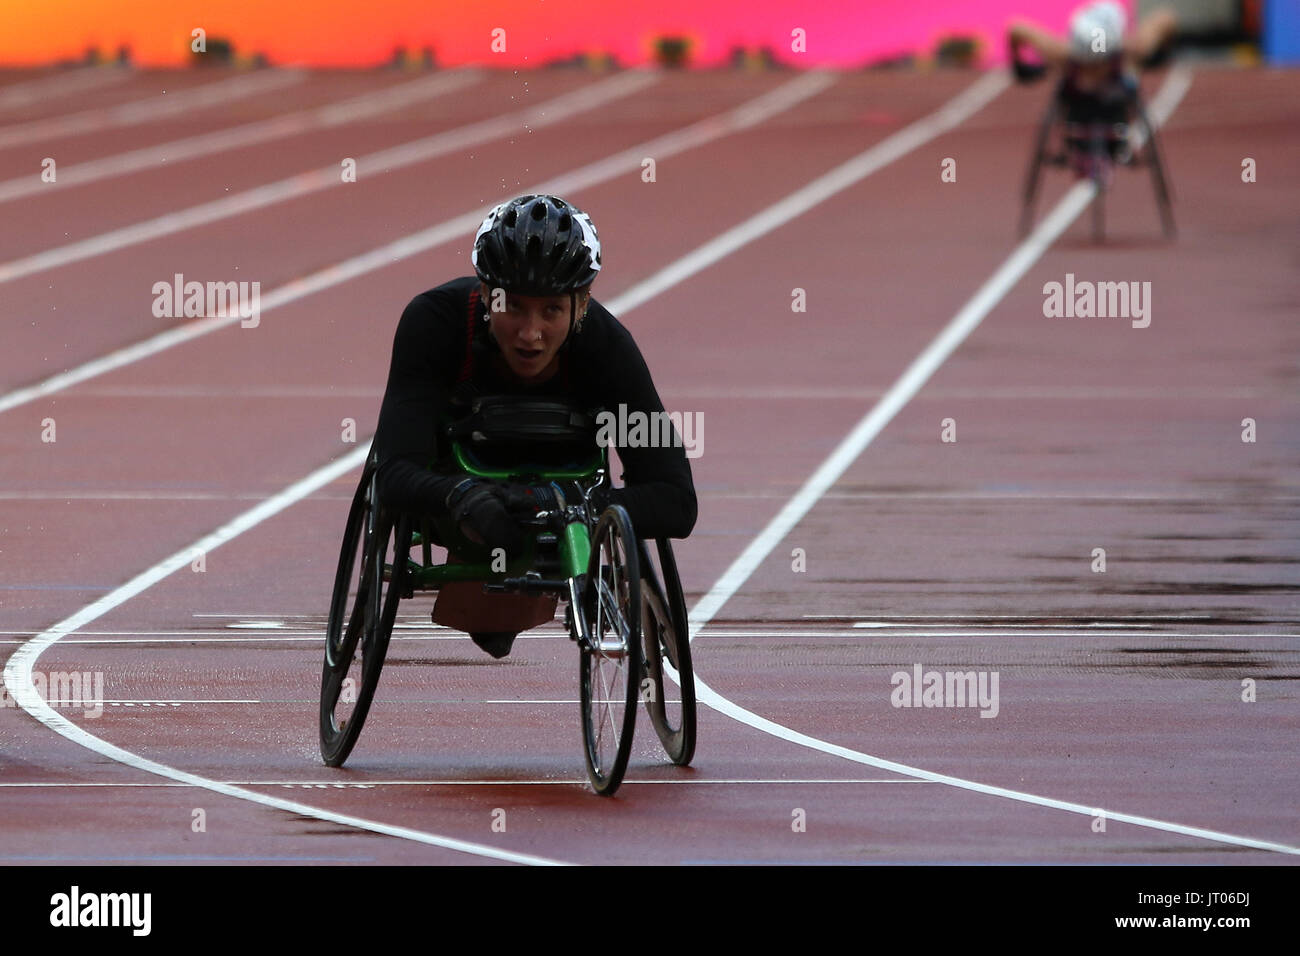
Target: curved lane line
point(902, 391)
point(18, 676)
point(18, 669)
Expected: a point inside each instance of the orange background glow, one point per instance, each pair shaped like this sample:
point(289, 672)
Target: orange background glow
point(364, 33)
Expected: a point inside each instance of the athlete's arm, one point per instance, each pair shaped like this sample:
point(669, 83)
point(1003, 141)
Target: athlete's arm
point(419, 386)
point(659, 493)
point(1051, 48)
point(1153, 36)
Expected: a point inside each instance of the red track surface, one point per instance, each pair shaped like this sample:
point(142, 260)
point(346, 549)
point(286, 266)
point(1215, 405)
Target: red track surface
point(1119, 690)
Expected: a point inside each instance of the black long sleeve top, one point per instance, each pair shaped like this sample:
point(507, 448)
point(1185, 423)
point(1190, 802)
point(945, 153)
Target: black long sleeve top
point(604, 369)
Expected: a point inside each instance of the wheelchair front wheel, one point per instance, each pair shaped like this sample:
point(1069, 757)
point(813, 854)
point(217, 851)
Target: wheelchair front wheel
point(610, 669)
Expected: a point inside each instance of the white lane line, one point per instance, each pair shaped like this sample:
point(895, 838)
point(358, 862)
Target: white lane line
point(999, 627)
point(916, 375)
point(681, 392)
point(146, 701)
point(460, 227)
point(930, 618)
point(18, 677)
point(158, 495)
point(117, 638)
point(1015, 394)
point(150, 108)
point(1074, 202)
point(112, 639)
point(816, 192)
point(241, 391)
point(372, 784)
point(45, 88)
point(242, 136)
point(18, 669)
point(984, 496)
point(327, 177)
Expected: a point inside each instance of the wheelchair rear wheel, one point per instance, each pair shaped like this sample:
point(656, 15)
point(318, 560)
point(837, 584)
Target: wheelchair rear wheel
point(1158, 178)
point(368, 586)
point(1034, 176)
point(666, 638)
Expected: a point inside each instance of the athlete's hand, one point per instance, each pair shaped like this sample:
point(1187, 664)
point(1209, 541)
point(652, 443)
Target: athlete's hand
point(480, 509)
point(527, 500)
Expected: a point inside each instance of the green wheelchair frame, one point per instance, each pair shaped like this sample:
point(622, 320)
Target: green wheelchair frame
point(627, 616)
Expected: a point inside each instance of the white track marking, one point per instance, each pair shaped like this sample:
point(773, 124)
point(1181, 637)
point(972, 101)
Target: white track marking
point(1011, 393)
point(243, 136)
point(601, 171)
point(143, 700)
point(1118, 496)
point(970, 315)
point(173, 392)
point(372, 784)
point(683, 392)
point(917, 374)
point(18, 676)
point(177, 637)
point(18, 669)
point(46, 88)
point(151, 108)
point(706, 695)
point(816, 192)
point(859, 615)
point(327, 177)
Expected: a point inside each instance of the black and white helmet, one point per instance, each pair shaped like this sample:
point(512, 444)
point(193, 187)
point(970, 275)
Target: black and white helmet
point(537, 245)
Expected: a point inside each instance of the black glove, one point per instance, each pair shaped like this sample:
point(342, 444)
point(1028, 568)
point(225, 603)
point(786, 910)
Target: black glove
point(526, 500)
point(480, 509)
point(1025, 72)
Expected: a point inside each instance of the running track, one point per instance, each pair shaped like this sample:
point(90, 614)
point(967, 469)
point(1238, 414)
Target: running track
point(1118, 691)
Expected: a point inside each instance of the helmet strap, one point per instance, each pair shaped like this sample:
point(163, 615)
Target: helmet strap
point(573, 313)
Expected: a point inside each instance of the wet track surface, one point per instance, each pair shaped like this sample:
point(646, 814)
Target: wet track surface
point(1119, 690)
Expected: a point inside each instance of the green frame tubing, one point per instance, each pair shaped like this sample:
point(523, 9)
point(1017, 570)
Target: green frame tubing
point(574, 544)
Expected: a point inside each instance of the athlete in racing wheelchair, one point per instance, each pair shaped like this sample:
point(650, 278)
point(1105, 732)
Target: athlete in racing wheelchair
point(526, 326)
point(1096, 107)
point(486, 446)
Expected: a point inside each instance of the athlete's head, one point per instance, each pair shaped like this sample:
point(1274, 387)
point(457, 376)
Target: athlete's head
point(1097, 31)
point(536, 257)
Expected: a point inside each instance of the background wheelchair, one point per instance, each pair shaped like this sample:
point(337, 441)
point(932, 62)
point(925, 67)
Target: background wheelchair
point(1090, 134)
point(624, 608)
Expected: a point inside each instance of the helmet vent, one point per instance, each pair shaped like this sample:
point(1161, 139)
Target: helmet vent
point(537, 245)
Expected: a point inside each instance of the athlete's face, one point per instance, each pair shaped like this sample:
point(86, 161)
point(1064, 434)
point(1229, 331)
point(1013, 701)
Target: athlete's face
point(530, 330)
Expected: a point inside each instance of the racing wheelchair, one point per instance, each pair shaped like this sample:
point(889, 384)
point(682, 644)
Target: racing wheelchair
point(624, 610)
point(1090, 134)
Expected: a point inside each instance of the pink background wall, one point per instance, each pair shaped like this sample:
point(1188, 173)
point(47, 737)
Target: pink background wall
point(843, 33)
